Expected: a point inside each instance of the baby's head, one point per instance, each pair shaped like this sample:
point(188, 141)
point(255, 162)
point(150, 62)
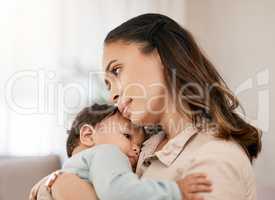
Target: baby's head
point(104, 118)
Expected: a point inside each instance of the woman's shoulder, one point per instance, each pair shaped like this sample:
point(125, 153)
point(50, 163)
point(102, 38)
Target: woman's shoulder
point(225, 156)
point(220, 149)
point(225, 163)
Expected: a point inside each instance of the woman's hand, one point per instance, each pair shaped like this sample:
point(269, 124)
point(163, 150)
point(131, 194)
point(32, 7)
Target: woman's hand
point(193, 184)
point(70, 187)
point(34, 191)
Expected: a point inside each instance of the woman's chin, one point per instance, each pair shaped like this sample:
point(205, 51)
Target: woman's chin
point(135, 119)
point(143, 119)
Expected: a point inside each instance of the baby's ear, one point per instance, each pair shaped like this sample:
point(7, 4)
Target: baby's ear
point(86, 132)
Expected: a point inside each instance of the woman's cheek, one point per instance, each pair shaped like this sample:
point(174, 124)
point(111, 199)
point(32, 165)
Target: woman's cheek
point(137, 108)
point(140, 114)
point(148, 110)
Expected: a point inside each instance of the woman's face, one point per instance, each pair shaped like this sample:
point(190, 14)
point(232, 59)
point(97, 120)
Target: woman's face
point(136, 82)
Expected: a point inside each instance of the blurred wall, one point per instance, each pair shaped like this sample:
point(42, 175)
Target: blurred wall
point(238, 36)
point(50, 64)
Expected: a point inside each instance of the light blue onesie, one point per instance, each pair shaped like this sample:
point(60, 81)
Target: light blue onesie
point(109, 170)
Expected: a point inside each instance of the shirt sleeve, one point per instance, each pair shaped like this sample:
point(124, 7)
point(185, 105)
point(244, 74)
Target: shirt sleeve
point(113, 178)
point(224, 173)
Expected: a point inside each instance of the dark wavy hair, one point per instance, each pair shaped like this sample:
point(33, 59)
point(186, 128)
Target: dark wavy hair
point(180, 53)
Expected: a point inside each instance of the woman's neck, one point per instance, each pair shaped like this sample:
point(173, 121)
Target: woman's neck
point(173, 122)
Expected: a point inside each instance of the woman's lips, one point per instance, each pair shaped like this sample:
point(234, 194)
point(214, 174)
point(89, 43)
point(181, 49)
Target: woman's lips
point(123, 107)
point(125, 111)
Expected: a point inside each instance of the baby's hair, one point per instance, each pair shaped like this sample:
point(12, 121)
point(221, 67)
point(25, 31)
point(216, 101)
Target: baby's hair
point(89, 115)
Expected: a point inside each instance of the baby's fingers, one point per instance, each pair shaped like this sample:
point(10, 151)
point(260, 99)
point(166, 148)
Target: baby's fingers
point(202, 181)
point(193, 197)
point(197, 175)
point(200, 188)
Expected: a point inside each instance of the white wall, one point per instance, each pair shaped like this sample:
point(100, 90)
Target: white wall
point(62, 41)
point(239, 37)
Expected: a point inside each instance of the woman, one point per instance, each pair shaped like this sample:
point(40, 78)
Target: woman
point(158, 75)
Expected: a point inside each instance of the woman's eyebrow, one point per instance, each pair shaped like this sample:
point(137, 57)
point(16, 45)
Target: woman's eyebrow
point(109, 65)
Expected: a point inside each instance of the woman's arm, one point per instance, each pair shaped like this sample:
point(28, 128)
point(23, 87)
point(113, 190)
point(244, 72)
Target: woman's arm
point(37, 188)
point(70, 187)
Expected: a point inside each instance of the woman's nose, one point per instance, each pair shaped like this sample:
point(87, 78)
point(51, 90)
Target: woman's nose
point(115, 93)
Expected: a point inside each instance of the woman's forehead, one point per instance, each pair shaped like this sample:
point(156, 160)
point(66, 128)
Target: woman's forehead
point(120, 52)
point(112, 51)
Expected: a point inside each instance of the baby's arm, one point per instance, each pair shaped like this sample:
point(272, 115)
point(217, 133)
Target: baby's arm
point(112, 177)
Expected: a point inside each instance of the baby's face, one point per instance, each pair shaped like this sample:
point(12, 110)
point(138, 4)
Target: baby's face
point(132, 139)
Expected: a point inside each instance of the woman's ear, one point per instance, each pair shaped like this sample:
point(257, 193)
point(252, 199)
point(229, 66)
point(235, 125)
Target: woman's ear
point(85, 136)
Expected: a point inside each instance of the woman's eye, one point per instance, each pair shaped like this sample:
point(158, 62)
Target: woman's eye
point(127, 135)
point(115, 71)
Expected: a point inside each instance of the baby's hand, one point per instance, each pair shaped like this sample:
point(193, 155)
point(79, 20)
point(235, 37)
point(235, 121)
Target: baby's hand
point(193, 184)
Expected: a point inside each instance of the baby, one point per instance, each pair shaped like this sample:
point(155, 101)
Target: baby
point(85, 143)
point(94, 121)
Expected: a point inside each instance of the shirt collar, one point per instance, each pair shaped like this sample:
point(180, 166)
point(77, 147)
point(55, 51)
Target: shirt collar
point(168, 154)
point(150, 145)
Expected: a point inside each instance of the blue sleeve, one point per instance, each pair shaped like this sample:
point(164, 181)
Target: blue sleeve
point(113, 178)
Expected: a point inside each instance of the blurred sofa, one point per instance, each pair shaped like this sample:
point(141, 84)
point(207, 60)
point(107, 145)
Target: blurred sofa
point(19, 174)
